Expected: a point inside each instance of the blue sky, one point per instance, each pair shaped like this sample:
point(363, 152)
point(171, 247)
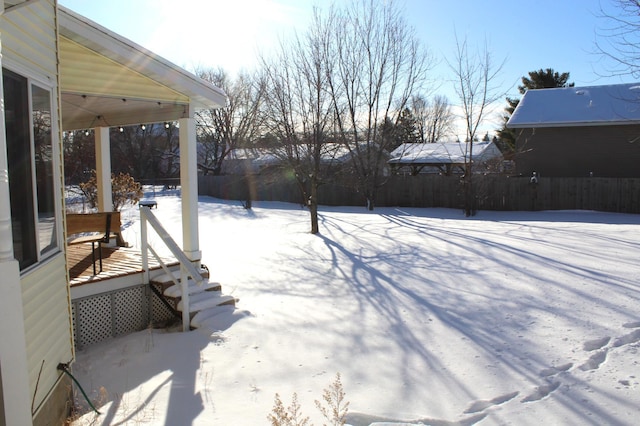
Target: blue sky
point(527, 35)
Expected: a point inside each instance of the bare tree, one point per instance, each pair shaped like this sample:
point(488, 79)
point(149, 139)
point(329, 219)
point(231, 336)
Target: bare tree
point(79, 156)
point(168, 164)
point(619, 39)
point(224, 129)
point(375, 62)
point(434, 120)
point(134, 150)
point(298, 108)
point(475, 84)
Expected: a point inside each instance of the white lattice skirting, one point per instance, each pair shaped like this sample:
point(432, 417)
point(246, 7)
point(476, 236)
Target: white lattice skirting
point(106, 315)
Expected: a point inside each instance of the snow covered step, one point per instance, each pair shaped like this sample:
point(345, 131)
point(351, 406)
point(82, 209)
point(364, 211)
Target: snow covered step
point(176, 289)
point(219, 318)
point(207, 314)
point(395, 424)
point(168, 279)
point(207, 299)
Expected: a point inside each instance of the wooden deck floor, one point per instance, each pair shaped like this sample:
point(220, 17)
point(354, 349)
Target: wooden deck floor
point(116, 262)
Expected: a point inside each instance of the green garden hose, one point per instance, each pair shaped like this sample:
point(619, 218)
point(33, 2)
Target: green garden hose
point(65, 368)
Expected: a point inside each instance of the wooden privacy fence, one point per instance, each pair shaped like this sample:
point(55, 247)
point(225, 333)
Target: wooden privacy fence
point(492, 192)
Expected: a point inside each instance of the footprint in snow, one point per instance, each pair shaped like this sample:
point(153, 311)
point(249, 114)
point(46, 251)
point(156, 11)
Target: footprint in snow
point(541, 392)
point(592, 345)
point(594, 361)
point(551, 371)
point(480, 405)
point(632, 337)
point(633, 324)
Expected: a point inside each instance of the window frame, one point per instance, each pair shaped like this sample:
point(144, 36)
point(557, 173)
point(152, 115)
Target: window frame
point(45, 84)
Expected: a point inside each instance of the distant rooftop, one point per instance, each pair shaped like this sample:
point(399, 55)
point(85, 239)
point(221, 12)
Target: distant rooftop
point(578, 106)
point(443, 153)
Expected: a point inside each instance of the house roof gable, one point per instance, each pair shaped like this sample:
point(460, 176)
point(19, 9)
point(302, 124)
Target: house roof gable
point(578, 106)
point(108, 80)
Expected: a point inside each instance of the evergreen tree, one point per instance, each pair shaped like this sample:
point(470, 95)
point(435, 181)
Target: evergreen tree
point(406, 129)
point(540, 79)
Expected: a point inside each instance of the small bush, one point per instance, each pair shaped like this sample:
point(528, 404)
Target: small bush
point(290, 416)
point(334, 409)
point(124, 190)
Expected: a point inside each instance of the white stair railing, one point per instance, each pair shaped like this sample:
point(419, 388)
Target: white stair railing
point(187, 268)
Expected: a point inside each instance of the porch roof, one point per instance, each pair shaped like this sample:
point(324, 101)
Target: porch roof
point(107, 80)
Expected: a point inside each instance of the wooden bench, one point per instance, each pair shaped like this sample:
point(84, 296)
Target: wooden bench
point(94, 228)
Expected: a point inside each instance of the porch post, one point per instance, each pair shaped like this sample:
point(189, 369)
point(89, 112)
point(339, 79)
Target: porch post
point(14, 376)
point(189, 189)
point(13, 350)
point(103, 169)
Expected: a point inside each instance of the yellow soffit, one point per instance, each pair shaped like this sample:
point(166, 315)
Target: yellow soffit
point(86, 72)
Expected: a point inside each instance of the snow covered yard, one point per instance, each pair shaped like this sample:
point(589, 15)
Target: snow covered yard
point(504, 318)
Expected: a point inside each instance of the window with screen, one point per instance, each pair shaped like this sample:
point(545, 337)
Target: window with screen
point(30, 154)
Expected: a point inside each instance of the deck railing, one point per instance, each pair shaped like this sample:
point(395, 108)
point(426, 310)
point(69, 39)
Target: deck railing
point(187, 268)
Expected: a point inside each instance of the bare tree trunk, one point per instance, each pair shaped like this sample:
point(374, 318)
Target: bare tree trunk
point(313, 206)
point(376, 64)
point(475, 85)
point(298, 110)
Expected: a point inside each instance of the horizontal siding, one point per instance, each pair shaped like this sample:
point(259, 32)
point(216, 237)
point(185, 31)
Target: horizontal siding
point(47, 320)
point(87, 72)
point(29, 45)
point(29, 37)
point(605, 151)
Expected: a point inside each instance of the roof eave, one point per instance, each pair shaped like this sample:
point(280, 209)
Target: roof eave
point(104, 41)
point(573, 124)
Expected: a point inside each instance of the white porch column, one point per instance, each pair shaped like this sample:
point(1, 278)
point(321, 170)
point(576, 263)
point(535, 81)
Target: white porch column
point(13, 348)
point(189, 189)
point(103, 169)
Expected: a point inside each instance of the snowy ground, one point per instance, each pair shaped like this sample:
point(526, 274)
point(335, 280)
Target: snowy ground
point(505, 318)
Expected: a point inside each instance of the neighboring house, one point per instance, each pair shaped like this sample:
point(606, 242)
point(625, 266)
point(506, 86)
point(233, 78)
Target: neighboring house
point(578, 131)
point(257, 160)
point(249, 161)
point(62, 72)
point(445, 158)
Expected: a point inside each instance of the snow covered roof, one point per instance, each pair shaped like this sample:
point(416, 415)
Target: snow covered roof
point(578, 106)
point(331, 153)
point(443, 153)
point(260, 157)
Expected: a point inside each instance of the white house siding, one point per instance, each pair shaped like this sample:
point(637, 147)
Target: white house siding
point(47, 324)
point(29, 38)
point(88, 72)
point(29, 47)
